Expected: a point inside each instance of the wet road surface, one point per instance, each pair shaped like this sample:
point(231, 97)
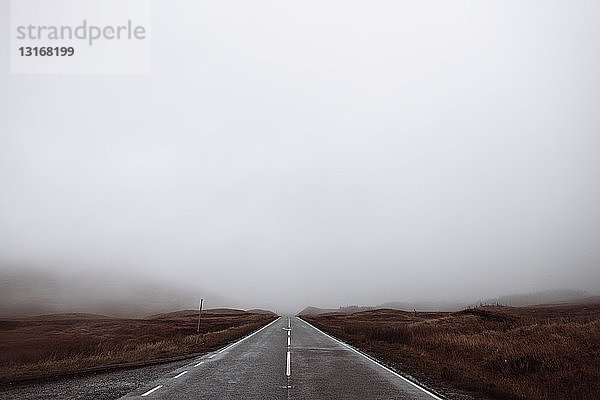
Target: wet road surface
point(287, 359)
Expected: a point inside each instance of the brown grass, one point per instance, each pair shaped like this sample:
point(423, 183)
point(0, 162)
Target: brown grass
point(549, 352)
point(55, 344)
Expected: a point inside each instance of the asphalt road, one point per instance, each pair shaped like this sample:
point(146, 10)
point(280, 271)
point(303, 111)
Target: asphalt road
point(287, 359)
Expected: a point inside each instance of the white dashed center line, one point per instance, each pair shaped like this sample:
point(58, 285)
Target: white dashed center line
point(199, 364)
point(183, 373)
point(288, 370)
point(151, 391)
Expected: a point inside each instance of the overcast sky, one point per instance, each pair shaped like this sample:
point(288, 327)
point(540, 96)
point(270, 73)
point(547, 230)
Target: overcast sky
point(288, 153)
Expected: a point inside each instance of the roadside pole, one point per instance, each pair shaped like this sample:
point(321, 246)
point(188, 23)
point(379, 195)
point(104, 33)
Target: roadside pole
point(199, 314)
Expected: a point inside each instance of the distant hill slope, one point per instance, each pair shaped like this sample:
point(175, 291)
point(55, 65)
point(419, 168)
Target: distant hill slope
point(562, 296)
point(35, 293)
point(392, 305)
point(260, 311)
point(310, 310)
point(517, 300)
point(208, 312)
point(424, 306)
point(396, 305)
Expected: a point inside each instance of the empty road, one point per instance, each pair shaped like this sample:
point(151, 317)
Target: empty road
point(287, 359)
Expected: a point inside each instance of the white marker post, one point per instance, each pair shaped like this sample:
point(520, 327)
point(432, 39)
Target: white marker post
point(199, 314)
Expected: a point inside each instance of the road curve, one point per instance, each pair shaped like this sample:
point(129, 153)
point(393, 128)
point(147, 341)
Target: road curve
point(287, 359)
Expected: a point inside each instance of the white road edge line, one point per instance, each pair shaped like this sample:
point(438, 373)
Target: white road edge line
point(244, 338)
point(288, 370)
point(183, 373)
point(199, 364)
point(373, 361)
point(152, 391)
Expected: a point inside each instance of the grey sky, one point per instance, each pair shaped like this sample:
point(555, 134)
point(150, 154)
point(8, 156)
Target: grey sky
point(319, 152)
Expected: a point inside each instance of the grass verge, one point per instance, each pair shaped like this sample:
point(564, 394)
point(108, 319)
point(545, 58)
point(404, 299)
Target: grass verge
point(68, 343)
